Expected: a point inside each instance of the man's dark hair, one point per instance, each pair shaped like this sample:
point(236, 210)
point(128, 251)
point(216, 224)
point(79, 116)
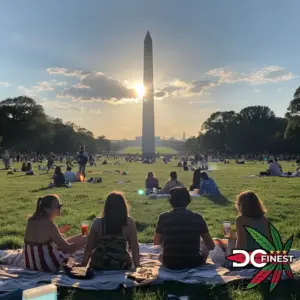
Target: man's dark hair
point(204, 176)
point(180, 197)
point(173, 175)
point(69, 169)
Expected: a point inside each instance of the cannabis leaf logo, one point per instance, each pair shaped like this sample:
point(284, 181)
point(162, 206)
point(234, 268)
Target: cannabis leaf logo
point(276, 247)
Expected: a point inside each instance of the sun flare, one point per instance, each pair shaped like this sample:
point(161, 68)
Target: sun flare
point(139, 89)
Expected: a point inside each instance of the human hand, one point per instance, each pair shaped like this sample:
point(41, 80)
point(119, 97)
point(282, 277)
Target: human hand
point(65, 228)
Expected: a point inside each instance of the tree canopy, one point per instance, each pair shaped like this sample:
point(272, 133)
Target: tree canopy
point(255, 129)
point(24, 126)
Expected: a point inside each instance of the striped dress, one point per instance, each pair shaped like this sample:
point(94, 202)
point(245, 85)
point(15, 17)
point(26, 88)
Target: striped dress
point(46, 257)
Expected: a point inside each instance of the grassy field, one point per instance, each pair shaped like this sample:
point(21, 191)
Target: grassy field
point(84, 201)
point(138, 150)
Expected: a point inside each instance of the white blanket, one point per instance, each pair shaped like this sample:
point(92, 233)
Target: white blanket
point(13, 275)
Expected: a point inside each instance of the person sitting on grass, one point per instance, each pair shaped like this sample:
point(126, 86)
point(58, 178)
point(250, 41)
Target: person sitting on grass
point(207, 185)
point(173, 182)
point(70, 175)
point(45, 247)
point(151, 182)
point(196, 180)
point(29, 170)
point(296, 173)
point(273, 170)
point(179, 232)
point(24, 167)
point(58, 177)
point(109, 236)
point(252, 214)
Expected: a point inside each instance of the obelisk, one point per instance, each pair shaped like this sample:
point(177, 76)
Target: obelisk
point(148, 138)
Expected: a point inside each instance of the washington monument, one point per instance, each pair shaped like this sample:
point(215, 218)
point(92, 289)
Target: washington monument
point(148, 138)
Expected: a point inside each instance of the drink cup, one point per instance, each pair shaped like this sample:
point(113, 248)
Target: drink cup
point(226, 229)
point(84, 228)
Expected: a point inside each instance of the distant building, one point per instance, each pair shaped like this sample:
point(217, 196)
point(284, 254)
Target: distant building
point(138, 141)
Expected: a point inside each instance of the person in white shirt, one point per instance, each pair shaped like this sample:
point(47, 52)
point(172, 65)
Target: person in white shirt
point(273, 170)
point(70, 175)
point(297, 173)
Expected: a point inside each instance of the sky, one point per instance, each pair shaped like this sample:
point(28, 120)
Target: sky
point(83, 60)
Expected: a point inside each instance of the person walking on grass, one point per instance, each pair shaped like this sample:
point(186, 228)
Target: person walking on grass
point(82, 160)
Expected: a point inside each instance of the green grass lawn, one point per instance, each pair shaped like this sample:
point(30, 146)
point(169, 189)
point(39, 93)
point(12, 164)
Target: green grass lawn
point(138, 150)
point(84, 201)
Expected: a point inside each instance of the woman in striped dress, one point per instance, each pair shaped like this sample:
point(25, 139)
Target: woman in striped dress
point(45, 247)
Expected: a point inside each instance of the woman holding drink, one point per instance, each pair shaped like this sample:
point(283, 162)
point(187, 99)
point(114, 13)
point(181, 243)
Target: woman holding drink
point(45, 247)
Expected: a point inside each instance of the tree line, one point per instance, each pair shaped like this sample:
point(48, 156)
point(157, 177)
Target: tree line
point(255, 129)
point(25, 127)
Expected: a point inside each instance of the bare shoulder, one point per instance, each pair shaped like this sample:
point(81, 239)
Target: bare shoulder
point(130, 221)
point(240, 220)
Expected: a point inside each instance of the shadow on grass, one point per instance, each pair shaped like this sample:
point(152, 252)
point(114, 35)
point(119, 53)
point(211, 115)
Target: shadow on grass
point(288, 289)
point(219, 200)
point(44, 188)
point(194, 292)
point(141, 226)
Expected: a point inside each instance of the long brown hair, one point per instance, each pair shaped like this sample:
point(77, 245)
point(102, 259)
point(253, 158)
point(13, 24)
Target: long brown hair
point(249, 205)
point(115, 213)
point(44, 204)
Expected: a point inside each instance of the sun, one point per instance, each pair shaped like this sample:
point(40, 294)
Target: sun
point(139, 89)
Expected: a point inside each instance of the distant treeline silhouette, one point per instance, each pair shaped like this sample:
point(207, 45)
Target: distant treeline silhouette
point(255, 129)
point(24, 126)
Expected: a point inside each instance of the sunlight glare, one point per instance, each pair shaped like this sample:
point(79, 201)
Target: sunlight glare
point(139, 89)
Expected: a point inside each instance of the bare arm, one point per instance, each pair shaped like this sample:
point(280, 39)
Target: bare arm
point(165, 189)
point(157, 239)
point(91, 244)
point(66, 247)
point(208, 241)
point(241, 234)
point(133, 243)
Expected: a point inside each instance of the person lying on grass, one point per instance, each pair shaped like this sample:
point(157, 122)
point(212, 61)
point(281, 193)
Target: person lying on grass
point(109, 236)
point(45, 247)
point(179, 232)
point(172, 183)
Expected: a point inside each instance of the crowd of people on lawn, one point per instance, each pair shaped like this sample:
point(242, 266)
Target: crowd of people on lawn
point(112, 242)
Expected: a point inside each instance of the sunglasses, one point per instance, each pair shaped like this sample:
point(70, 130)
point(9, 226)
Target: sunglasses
point(59, 206)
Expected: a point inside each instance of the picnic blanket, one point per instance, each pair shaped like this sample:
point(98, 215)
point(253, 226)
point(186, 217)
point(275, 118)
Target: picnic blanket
point(13, 275)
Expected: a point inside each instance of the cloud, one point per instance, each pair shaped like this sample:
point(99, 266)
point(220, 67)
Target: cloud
point(95, 86)
point(264, 75)
point(42, 86)
point(4, 84)
point(268, 74)
point(179, 88)
point(66, 72)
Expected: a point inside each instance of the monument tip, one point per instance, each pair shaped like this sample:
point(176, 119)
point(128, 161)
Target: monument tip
point(148, 36)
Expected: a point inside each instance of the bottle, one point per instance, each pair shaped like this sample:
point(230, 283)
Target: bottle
point(69, 184)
